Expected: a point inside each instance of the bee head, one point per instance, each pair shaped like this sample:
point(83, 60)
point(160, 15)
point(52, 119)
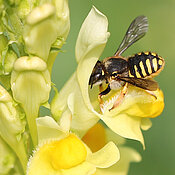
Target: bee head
point(97, 76)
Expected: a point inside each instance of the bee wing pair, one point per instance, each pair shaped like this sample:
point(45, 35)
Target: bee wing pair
point(136, 31)
point(146, 84)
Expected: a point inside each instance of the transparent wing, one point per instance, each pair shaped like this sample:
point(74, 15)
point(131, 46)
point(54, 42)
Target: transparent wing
point(147, 84)
point(136, 31)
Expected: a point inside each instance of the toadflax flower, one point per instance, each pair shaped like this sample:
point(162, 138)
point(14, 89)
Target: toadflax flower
point(134, 111)
point(47, 27)
point(62, 152)
point(83, 117)
point(97, 137)
point(31, 84)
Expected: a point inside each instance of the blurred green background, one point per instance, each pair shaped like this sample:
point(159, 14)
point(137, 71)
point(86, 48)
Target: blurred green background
point(159, 156)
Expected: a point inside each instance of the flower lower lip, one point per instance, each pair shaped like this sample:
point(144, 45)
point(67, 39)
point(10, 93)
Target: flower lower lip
point(110, 101)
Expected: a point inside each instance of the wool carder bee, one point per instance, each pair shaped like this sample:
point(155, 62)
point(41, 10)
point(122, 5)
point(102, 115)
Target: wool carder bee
point(119, 72)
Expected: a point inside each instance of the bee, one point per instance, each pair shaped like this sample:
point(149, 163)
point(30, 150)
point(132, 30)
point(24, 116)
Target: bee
point(119, 72)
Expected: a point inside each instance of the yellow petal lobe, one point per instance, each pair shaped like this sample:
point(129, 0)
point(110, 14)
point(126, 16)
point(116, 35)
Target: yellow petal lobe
point(151, 108)
point(57, 155)
point(67, 152)
point(95, 138)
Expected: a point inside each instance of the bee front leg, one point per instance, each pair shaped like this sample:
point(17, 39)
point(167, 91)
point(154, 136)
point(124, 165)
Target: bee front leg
point(120, 97)
point(106, 91)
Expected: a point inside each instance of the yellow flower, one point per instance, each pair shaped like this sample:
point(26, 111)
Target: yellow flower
point(126, 119)
point(97, 137)
point(63, 153)
point(93, 36)
point(134, 111)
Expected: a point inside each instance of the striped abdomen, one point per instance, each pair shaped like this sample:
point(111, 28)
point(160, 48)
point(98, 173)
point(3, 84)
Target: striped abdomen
point(145, 65)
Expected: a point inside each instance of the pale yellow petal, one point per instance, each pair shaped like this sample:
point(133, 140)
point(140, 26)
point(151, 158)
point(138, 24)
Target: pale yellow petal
point(105, 157)
point(66, 120)
point(93, 33)
point(111, 136)
point(83, 169)
point(128, 155)
point(59, 102)
point(82, 118)
point(90, 44)
point(48, 129)
point(146, 123)
point(126, 126)
point(70, 97)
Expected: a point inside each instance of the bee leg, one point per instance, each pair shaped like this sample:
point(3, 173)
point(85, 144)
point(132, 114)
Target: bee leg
point(100, 87)
point(100, 96)
point(151, 93)
point(120, 97)
point(106, 91)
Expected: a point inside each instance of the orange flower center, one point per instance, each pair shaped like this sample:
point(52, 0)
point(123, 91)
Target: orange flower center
point(95, 138)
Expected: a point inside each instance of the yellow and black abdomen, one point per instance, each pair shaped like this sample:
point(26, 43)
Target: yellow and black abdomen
point(145, 65)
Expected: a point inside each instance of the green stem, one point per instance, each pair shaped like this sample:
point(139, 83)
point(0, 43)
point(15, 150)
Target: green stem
point(17, 147)
point(31, 115)
point(21, 154)
point(51, 60)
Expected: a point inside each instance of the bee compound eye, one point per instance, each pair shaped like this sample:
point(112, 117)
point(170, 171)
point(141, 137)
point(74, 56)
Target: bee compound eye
point(97, 76)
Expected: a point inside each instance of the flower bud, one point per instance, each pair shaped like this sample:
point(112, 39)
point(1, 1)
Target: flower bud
point(46, 25)
point(7, 59)
point(11, 126)
point(31, 84)
point(24, 7)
